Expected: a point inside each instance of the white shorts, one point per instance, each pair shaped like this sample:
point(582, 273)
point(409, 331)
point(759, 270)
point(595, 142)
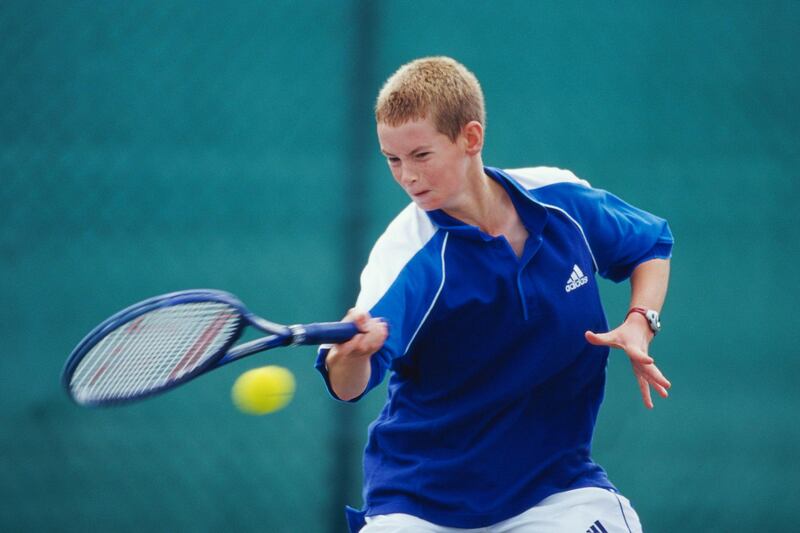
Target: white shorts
point(589, 510)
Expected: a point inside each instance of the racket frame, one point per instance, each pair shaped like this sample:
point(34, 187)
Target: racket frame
point(279, 335)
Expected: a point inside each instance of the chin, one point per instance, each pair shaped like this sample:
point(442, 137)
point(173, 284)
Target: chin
point(427, 205)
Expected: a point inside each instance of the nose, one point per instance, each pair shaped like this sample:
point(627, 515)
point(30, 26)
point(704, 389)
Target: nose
point(408, 177)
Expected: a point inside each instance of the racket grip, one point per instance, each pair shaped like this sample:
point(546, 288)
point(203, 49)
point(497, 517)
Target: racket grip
point(323, 333)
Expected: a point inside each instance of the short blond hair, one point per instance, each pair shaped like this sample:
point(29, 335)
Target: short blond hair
point(437, 86)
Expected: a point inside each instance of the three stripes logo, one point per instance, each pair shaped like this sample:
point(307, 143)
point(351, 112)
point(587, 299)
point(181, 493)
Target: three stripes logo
point(576, 279)
point(597, 527)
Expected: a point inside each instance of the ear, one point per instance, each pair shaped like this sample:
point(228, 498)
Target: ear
point(472, 133)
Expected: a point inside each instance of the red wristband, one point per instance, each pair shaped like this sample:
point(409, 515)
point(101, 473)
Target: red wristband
point(650, 315)
point(641, 310)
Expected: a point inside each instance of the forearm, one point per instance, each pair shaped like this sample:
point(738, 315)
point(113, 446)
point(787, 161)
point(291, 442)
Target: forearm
point(649, 283)
point(348, 364)
point(348, 376)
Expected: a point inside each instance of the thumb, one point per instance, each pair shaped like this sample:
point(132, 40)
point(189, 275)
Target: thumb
point(601, 339)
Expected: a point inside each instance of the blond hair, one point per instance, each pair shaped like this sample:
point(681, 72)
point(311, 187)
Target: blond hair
point(437, 86)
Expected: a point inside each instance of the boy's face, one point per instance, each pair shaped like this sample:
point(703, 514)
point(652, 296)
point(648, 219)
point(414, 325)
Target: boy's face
point(429, 166)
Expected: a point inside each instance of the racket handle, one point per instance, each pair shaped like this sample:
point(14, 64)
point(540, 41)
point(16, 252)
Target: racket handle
point(323, 332)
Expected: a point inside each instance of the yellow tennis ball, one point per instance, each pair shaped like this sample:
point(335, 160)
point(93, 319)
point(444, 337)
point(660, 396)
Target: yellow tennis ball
point(263, 390)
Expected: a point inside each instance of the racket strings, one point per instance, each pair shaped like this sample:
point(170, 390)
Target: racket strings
point(154, 349)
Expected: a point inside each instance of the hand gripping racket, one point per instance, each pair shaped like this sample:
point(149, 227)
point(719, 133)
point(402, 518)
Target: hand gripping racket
point(167, 340)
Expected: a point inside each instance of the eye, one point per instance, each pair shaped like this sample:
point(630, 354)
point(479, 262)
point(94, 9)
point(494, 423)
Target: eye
point(393, 160)
point(423, 155)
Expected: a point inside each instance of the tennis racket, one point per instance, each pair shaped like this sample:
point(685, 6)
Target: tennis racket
point(165, 341)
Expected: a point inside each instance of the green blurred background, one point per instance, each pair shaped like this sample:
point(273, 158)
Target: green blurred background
point(153, 146)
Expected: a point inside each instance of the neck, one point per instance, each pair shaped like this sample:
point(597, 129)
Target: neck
point(484, 203)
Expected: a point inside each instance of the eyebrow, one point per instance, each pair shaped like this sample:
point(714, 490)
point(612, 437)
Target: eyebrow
point(416, 150)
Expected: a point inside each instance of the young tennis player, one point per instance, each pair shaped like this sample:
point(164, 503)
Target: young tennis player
point(492, 327)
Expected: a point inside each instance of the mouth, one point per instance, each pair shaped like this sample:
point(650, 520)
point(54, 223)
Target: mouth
point(420, 194)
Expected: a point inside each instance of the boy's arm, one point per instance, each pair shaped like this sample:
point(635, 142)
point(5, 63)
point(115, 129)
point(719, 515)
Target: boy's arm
point(648, 289)
point(348, 364)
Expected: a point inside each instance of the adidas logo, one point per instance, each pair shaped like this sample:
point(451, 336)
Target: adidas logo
point(597, 527)
point(576, 279)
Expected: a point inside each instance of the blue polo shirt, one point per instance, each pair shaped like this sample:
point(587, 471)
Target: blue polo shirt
point(493, 391)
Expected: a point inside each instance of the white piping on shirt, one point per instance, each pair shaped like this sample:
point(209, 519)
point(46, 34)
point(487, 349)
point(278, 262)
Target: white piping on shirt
point(579, 229)
point(435, 298)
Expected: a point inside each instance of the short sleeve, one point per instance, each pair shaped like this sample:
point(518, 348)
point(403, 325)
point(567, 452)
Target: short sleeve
point(619, 235)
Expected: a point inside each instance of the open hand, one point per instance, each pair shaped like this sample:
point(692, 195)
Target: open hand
point(634, 338)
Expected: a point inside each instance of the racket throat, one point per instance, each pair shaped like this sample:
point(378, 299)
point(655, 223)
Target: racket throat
point(267, 326)
point(299, 335)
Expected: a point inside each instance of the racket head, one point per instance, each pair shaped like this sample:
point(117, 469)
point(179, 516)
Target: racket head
point(153, 346)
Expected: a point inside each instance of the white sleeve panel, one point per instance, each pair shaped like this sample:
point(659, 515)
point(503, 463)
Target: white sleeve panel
point(406, 235)
point(535, 177)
